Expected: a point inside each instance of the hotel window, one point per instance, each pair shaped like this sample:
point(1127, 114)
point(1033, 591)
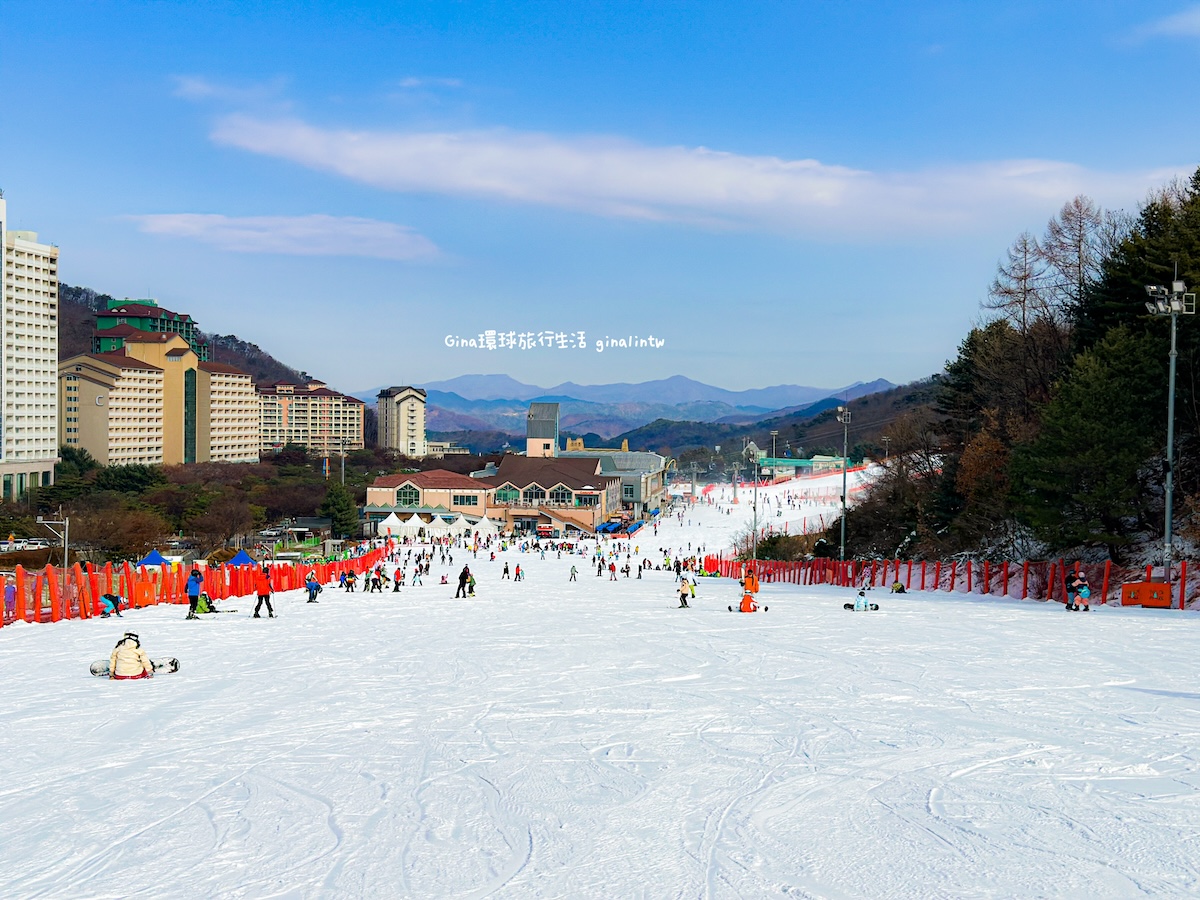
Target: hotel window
point(561, 494)
point(533, 494)
point(507, 494)
point(408, 496)
point(465, 500)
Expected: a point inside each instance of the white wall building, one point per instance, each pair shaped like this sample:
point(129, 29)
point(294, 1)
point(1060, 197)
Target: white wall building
point(402, 421)
point(29, 375)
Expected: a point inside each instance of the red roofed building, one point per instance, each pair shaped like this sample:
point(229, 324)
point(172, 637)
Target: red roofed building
point(427, 491)
point(311, 415)
point(113, 325)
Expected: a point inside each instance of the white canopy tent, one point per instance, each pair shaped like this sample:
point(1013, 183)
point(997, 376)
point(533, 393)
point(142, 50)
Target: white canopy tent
point(391, 523)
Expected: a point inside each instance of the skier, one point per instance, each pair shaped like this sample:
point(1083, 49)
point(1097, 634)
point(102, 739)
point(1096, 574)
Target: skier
point(462, 583)
point(262, 584)
point(574, 572)
point(683, 596)
point(612, 571)
point(195, 584)
point(505, 575)
point(1079, 589)
point(314, 586)
point(748, 604)
point(128, 660)
point(397, 577)
point(520, 576)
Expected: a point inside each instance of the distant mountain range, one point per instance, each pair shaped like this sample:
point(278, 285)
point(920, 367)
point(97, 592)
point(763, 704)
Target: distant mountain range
point(500, 403)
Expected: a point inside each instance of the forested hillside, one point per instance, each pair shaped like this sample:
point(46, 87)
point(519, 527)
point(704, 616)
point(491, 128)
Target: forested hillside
point(77, 321)
point(1051, 421)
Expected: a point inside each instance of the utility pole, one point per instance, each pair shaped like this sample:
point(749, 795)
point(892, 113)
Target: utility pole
point(844, 417)
point(886, 447)
point(694, 467)
point(736, 471)
point(774, 468)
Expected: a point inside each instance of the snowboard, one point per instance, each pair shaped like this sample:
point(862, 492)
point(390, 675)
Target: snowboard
point(850, 606)
point(164, 666)
point(760, 609)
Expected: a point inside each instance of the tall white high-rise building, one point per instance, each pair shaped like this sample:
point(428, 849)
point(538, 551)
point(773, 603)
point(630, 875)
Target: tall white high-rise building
point(401, 414)
point(29, 375)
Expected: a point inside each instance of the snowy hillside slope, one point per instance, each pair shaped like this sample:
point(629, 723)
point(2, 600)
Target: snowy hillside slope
point(590, 740)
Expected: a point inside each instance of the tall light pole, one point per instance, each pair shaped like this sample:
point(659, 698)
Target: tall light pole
point(1171, 303)
point(774, 467)
point(752, 453)
point(843, 416)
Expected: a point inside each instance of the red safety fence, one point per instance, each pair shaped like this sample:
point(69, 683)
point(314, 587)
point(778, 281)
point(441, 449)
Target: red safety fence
point(1025, 580)
point(53, 594)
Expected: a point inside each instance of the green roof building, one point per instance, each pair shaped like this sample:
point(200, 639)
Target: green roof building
point(122, 317)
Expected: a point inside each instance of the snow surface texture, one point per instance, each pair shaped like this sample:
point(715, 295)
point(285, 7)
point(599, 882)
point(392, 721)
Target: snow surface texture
point(591, 740)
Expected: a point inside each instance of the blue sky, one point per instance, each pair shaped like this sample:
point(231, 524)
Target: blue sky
point(801, 192)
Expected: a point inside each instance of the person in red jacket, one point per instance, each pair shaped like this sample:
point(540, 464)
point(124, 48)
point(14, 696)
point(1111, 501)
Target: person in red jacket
point(262, 584)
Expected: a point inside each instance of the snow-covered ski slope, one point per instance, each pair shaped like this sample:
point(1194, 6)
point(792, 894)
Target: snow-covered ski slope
point(590, 740)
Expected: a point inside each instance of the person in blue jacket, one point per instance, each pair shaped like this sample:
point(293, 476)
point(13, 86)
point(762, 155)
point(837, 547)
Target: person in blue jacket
point(195, 586)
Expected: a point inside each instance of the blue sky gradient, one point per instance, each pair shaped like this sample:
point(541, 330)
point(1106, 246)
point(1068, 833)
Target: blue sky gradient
point(800, 192)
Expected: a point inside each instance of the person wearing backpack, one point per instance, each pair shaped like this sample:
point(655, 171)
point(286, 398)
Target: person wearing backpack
point(195, 585)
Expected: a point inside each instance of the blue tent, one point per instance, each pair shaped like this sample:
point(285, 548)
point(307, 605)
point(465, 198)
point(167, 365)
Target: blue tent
point(242, 559)
point(153, 559)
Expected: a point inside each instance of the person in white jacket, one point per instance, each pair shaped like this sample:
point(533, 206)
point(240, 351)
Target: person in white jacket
point(129, 660)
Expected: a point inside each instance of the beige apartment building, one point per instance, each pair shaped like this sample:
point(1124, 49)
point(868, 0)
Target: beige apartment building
point(402, 421)
point(29, 337)
point(311, 415)
point(112, 407)
point(171, 408)
point(227, 414)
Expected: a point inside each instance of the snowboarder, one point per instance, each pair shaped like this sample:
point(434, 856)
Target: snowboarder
point(128, 660)
point(195, 585)
point(898, 588)
point(262, 585)
point(111, 604)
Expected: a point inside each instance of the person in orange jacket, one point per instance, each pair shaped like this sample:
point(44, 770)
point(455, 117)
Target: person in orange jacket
point(262, 584)
point(748, 604)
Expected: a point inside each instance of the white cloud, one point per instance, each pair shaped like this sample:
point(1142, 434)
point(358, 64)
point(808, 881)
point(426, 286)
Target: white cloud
point(619, 178)
point(198, 88)
point(430, 82)
point(1181, 24)
point(315, 235)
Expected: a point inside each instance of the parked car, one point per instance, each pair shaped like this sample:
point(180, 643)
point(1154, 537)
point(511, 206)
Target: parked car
point(37, 544)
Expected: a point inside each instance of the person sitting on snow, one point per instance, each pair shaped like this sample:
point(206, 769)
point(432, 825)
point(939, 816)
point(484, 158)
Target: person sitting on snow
point(748, 604)
point(128, 660)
